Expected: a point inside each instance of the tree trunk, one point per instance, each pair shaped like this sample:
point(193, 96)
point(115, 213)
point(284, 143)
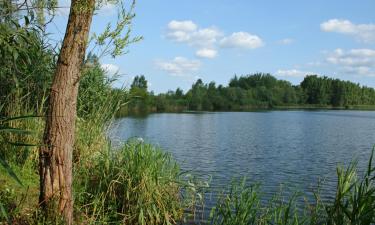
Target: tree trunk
point(55, 162)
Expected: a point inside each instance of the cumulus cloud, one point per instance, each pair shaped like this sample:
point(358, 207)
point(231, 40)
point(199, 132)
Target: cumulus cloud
point(206, 53)
point(110, 69)
point(293, 73)
point(242, 40)
point(187, 31)
point(362, 32)
point(206, 36)
point(179, 66)
point(286, 41)
point(354, 61)
point(185, 25)
point(353, 57)
point(207, 40)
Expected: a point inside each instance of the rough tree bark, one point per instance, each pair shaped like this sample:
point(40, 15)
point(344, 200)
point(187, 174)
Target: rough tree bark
point(55, 165)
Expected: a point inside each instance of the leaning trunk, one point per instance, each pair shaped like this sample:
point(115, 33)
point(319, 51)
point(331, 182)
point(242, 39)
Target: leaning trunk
point(55, 165)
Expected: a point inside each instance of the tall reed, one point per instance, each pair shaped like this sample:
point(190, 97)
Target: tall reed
point(136, 184)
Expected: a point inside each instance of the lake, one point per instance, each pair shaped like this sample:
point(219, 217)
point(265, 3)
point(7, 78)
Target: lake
point(293, 149)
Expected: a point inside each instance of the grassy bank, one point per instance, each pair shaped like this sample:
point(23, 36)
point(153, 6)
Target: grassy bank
point(134, 184)
point(328, 107)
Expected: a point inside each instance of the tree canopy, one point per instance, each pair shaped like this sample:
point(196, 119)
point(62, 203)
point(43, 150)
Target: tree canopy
point(259, 91)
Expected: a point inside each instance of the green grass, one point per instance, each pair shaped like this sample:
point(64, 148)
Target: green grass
point(20, 202)
point(136, 184)
point(242, 205)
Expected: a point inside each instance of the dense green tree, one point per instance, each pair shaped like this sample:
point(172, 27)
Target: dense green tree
point(139, 82)
point(139, 96)
point(179, 93)
point(265, 91)
point(196, 95)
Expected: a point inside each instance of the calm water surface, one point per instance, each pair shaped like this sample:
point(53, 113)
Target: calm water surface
point(293, 149)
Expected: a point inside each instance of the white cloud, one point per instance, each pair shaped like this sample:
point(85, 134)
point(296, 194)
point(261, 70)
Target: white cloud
point(353, 57)
point(286, 41)
point(206, 36)
point(178, 36)
point(187, 32)
point(110, 69)
point(208, 40)
point(361, 70)
point(293, 73)
point(354, 61)
point(206, 53)
point(185, 25)
point(179, 66)
point(336, 25)
point(362, 32)
point(241, 40)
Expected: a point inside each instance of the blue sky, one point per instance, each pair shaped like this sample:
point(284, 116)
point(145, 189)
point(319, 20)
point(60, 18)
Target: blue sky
point(215, 39)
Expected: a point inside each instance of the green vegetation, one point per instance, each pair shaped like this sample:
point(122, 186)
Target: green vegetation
point(138, 183)
point(258, 91)
point(133, 184)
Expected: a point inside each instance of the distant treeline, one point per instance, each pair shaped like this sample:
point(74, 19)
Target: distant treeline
point(249, 92)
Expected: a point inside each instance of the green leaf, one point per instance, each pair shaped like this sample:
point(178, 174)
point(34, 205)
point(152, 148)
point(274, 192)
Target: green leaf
point(9, 170)
point(22, 144)
point(15, 55)
point(3, 120)
point(16, 130)
point(3, 211)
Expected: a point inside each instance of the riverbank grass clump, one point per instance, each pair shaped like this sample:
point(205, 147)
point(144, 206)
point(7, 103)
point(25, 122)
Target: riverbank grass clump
point(135, 184)
point(242, 204)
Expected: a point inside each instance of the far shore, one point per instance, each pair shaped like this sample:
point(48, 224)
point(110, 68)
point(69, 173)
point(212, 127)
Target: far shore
point(258, 109)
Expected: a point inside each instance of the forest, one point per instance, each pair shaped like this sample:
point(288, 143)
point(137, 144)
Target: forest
point(251, 92)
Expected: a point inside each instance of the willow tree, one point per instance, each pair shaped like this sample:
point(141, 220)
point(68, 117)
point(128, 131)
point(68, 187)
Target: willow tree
point(55, 162)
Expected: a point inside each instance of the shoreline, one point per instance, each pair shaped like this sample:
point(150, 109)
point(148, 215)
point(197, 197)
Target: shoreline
point(258, 109)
